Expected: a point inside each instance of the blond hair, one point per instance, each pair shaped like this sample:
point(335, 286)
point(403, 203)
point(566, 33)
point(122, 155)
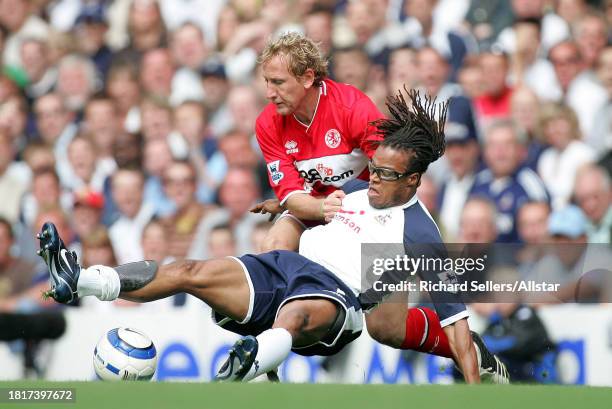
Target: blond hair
point(553, 111)
point(301, 53)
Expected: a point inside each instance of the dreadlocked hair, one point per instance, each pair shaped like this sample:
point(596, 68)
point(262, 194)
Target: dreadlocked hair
point(414, 128)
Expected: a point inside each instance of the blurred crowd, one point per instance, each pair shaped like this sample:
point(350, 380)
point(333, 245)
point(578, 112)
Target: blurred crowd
point(130, 123)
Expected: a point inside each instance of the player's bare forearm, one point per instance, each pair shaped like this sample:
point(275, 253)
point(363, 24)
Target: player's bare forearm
point(303, 206)
point(306, 207)
point(462, 347)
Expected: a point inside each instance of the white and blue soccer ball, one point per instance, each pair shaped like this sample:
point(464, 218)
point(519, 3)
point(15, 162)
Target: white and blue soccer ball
point(125, 354)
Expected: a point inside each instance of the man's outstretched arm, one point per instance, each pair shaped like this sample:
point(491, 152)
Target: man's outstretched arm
point(303, 206)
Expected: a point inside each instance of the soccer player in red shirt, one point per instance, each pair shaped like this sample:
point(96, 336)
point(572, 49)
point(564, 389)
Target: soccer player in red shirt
point(315, 136)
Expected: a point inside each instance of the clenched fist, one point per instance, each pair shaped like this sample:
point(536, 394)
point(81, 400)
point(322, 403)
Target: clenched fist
point(331, 204)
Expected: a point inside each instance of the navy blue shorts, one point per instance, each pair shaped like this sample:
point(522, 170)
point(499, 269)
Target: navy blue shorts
point(280, 276)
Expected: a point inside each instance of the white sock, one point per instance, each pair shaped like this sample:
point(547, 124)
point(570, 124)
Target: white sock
point(100, 281)
point(274, 347)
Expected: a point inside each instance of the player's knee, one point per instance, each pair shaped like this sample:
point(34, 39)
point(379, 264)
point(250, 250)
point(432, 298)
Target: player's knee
point(295, 321)
point(385, 332)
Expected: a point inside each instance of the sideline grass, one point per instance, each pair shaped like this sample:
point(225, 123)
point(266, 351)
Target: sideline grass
point(99, 395)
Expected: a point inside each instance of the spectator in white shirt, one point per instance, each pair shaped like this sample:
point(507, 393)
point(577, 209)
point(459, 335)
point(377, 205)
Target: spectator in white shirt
point(125, 234)
point(41, 74)
point(462, 152)
point(87, 170)
point(56, 129)
point(203, 13)
point(101, 122)
point(77, 81)
point(593, 193)
point(17, 17)
point(11, 187)
point(600, 137)
point(123, 88)
point(402, 69)
point(554, 28)
point(371, 30)
point(591, 34)
point(190, 51)
point(156, 73)
point(577, 85)
point(567, 153)
point(216, 88)
point(526, 112)
point(528, 67)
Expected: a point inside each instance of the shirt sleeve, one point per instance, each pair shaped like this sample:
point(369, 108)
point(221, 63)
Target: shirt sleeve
point(362, 115)
point(283, 177)
point(422, 240)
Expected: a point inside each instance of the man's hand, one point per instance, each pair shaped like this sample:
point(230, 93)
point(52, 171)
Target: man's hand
point(271, 206)
point(331, 204)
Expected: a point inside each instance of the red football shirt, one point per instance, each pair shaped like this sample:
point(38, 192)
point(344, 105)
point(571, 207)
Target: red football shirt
point(490, 107)
point(320, 157)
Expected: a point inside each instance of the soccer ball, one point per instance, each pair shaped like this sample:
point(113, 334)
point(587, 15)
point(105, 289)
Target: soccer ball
point(125, 354)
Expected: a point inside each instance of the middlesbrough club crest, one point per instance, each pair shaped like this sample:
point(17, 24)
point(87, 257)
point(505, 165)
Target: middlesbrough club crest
point(332, 138)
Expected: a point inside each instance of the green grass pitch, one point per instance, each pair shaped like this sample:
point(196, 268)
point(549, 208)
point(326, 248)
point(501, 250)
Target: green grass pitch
point(128, 395)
